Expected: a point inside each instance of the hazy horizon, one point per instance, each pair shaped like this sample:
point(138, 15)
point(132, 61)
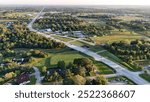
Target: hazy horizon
point(75, 2)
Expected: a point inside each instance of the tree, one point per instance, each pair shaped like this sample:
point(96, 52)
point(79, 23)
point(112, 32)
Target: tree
point(9, 75)
point(82, 71)
point(68, 81)
point(44, 69)
point(79, 80)
point(68, 73)
point(61, 64)
point(82, 61)
point(1, 80)
point(101, 80)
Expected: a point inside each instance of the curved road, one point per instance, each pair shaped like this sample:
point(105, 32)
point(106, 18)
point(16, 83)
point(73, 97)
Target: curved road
point(37, 76)
point(134, 76)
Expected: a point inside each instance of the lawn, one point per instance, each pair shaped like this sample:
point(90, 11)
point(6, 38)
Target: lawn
point(96, 48)
point(32, 80)
point(103, 69)
point(62, 38)
point(145, 76)
point(110, 56)
point(67, 55)
point(78, 43)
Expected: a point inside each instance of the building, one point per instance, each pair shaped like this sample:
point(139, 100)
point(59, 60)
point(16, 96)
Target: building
point(22, 78)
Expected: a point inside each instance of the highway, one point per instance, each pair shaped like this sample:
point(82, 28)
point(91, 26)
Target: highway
point(134, 76)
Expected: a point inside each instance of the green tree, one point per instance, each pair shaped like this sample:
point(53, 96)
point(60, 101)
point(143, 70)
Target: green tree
point(61, 64)
point(101, 80)
point(79, 80)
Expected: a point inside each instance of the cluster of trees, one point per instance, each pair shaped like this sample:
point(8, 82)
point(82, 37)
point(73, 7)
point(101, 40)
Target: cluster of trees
point(137, 25)
point(75, 73)
point(7, 76)
point(60, 22)
point(130, 51)
point(22, 54)
point(19, 36)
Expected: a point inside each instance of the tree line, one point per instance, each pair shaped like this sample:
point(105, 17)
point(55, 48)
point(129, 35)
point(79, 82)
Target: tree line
point(61, 22)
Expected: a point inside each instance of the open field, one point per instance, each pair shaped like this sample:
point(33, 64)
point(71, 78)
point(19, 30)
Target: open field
point(78, 43)
point(116, 37)
point(66, 55)
point(103, 69)
point(128, 18)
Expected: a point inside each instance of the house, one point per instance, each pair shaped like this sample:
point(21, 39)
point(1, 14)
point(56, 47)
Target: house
point(20, 61)
point(22, 78)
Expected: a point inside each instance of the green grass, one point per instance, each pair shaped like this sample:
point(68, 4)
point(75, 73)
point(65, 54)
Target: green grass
point(96, 48)
point(32, 80)
point(62, 38)
point(110, 56)
point(78, 43)
point(145, 76)
point(67, 55)
point(103, 69)
point(116, 37)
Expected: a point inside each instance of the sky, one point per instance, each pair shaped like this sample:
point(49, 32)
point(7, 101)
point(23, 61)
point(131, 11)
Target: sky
point(77, 2)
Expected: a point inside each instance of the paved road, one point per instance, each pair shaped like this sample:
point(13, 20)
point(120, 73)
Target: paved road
point(134, 76)
point(37, 76)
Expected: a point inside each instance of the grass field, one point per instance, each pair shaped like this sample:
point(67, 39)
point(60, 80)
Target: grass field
point(128, 18)
point(103, 69)
point(32, 80)
point(96, 48)
point(78, 43)
point(116, 37)
point(56, 55)
point(145, 76)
